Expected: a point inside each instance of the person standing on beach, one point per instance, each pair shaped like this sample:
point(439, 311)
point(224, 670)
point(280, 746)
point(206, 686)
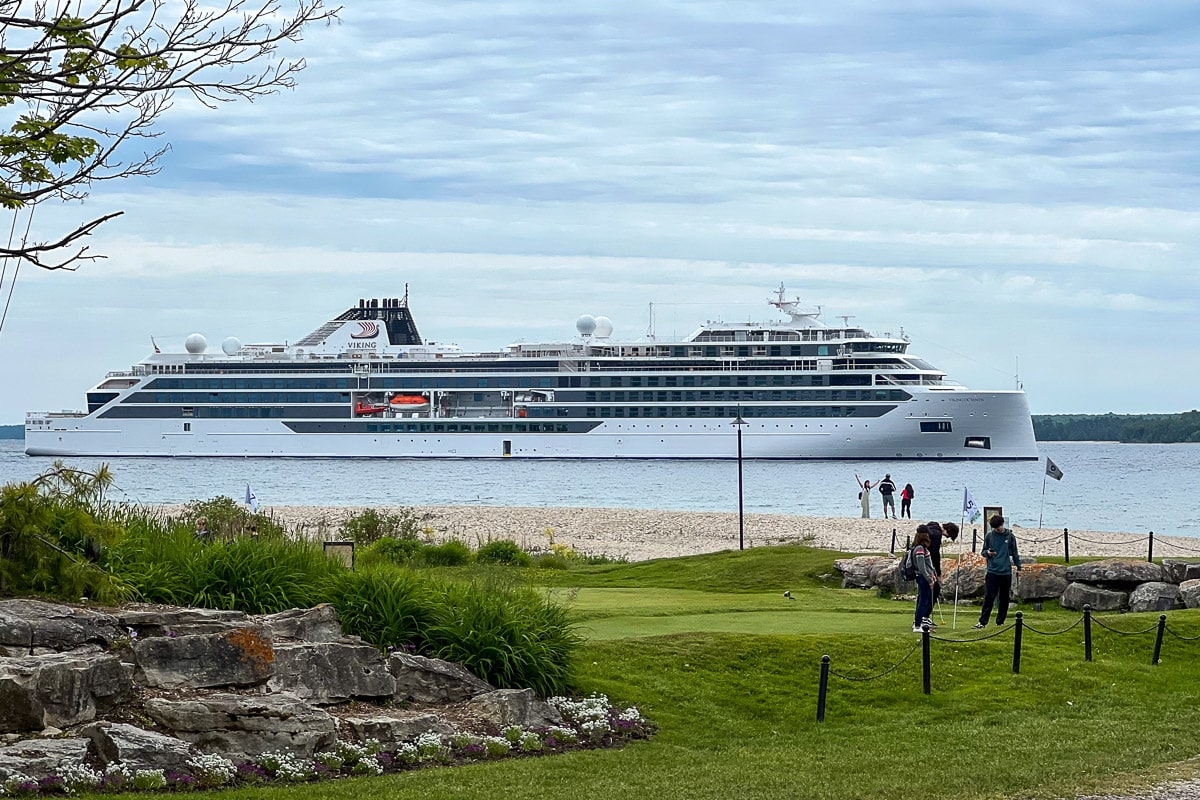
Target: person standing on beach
point(887, 491)
point(906, 497)
point(864, 495)
point(926, 579)
point(1000, 549)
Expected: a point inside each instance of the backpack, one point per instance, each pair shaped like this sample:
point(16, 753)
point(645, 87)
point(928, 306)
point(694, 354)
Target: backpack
point(908, 566)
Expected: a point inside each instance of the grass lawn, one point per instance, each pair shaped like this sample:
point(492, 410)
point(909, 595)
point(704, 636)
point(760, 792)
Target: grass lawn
point(709, 649)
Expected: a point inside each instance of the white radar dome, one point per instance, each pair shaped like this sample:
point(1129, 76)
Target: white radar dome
point(196, 343)
point(231, 345)
point(586, 325)
point(604, 327)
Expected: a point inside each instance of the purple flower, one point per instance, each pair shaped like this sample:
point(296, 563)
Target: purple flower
point(321, 770)
point(249, 771)
point(385, 758)
point(181, 780)
point(474, 751)
point(51, 783)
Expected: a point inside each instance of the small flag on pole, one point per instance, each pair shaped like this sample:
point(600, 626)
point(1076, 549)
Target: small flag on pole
point(154, 344)
point(251, 498)
point(1052, 470)
point(970, 510)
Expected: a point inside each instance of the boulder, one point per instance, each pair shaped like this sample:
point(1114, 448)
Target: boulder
point(59, 689)
point(522, 707)
point(863, 572)
point(1155, 596)
point(431, 680)
point(392, 730)
point(30, 624)
point(331, 672)
point(1040, 582)
point(236, 657)
point(1189, 593)
point(319, 624)
point(38, 758)
point(1120, 571)
point(137, 749)
point(965, 575)
point(238, 726)
point(1077, 595)
point(183, 621)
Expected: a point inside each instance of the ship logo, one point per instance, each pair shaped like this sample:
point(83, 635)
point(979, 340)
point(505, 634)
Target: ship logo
point(366, 330)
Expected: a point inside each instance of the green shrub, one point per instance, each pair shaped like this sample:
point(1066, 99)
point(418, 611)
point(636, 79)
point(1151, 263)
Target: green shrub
point(369, 526)
point(227, 519)
point(393, 551)
point(551, 561)
point(512, 638)
point(502, 551)
point(452, 553)
point(387, 607)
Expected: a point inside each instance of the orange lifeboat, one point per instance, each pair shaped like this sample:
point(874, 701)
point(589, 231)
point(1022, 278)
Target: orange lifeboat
point(409, 402)
point(368, 409)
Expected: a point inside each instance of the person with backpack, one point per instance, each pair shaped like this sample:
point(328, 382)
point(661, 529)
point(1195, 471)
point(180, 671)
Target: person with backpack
point(920, 564)
point(1000, 549)
point(887, 489)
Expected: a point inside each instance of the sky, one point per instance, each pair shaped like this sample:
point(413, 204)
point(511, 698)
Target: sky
point(1011, 184)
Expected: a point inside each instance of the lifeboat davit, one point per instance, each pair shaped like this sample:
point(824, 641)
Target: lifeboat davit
point(409, 402)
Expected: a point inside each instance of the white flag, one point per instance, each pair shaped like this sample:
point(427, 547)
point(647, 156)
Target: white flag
point(970, 510)
point(1052, 470)
point(251, 498)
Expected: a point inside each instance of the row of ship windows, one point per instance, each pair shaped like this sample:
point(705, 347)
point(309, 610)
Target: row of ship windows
point(515, 382)
point(469, 427)
point(730, 412)
point(836, 395)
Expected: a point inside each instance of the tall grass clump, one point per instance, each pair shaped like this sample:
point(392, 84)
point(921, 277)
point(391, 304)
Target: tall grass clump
point(503, 551)
point(510, 637)
point(390, 550)
point(387, 607)
point(166, 564)
point(451, 553)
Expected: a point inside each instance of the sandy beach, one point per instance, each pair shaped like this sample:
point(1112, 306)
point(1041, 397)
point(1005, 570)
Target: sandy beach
point(638, 535)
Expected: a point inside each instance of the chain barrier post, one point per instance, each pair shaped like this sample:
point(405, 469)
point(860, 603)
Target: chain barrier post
point(1150, 555)
point(893, 550)
point(1066, 547)
point(1017, 645)
point(925, 658)
point(824, 688)
point(1087, 632)
point(974, 539)
point(1162, 627)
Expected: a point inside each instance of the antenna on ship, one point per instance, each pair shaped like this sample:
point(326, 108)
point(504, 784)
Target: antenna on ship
point(845, 318)
point(650, 329)
point(406, 295)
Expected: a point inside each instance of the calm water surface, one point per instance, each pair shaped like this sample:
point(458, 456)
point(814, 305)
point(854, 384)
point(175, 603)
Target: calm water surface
point(1107, 487)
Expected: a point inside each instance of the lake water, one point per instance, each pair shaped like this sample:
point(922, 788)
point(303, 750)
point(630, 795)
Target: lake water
point(1106, 487)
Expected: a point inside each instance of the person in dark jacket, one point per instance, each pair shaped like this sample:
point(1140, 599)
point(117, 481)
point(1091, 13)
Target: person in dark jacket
point(1000, 550)
point(926, 579)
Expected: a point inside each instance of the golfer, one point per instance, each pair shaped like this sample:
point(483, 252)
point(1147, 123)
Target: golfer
point(926, 580)
point(1000, 549)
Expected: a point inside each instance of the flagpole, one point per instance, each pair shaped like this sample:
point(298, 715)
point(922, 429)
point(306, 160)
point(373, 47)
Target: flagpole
point(1043, 505)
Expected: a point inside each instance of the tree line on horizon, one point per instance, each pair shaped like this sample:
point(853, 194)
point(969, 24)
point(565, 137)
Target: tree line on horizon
point(1125, 428)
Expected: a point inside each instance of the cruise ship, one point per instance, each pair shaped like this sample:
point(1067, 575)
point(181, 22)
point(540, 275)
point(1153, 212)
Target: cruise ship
point(365, 384)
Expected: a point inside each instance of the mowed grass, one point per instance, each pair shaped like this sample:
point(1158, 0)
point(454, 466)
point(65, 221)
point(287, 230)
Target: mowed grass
point(710, 649)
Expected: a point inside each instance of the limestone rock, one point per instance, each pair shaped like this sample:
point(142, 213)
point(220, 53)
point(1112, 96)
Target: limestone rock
point(1040, 582)
point(30, 624)
point(1115, 571)
point(183, 621)
point(59, 689)
point(1077, 595)
point(392, 730)
point(1155, 596)
point(863, 572)
point(1189, 593)
point(318, 624)
point(966, 575)
point(136, 748)
point(505, 707)
point(431, 680)
point(331, 672)
point(236, 657)
point(238, 726)
point(38, 758)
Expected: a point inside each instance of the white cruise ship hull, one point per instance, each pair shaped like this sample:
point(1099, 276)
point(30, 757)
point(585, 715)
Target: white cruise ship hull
point(997, 424)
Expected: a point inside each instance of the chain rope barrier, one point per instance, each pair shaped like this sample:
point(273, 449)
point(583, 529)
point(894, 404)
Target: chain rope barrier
point(887, 671)
point(976, 639)
point(1181, 637)
point(1102, 624)
point(1073, 625)
point(1077, 538)
point(1169, 543)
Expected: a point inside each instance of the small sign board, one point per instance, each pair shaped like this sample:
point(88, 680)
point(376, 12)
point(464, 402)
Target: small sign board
point(341, 550)
point(988, 513)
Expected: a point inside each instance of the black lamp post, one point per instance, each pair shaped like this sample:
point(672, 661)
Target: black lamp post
point(738, 423)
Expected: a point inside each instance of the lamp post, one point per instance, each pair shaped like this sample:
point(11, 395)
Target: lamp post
point(738, 423)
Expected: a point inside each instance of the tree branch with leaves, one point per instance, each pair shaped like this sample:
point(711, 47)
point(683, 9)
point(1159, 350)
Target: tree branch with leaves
point(80, 90)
